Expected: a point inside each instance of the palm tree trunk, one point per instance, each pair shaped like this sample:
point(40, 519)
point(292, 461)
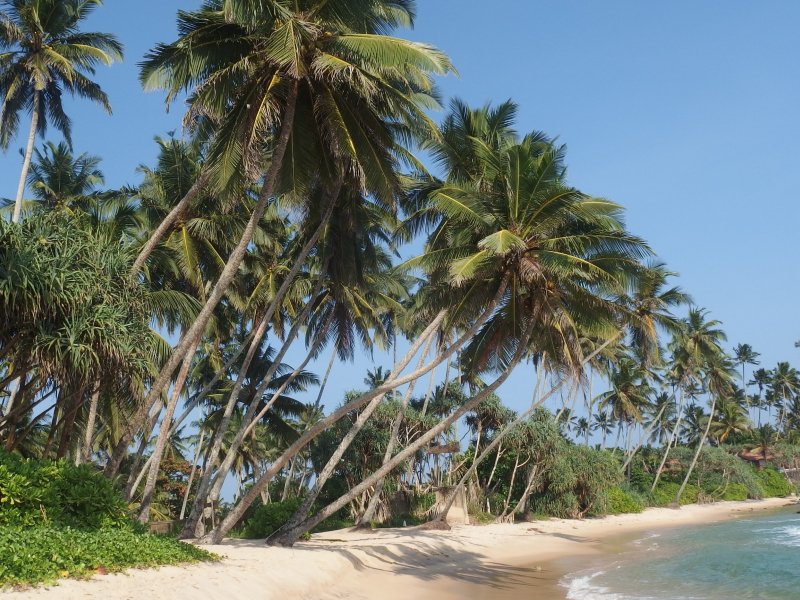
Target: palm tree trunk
point(86, 452)
point(178, 210)
point(187, 343)
point(536, 403)
point(162, 439)
point(26, 162)
point(191, 473)
point(238, 510)
point(290, 537)
point(644, 437)
point(672, 439)
point(147, 433)
point(250, 420)
point(697, 452)
point(372, 507)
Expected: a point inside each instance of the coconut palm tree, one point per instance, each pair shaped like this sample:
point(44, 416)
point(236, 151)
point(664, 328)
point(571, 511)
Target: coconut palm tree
point(44, 53)
point(784, 383)
point(316, 81)
point(745, 355)
point(731, 420)
point(603, 422)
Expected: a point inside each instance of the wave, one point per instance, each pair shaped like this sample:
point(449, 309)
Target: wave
point(790, 536)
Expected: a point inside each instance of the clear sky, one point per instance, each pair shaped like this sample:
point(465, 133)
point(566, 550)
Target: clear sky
point(686, 112)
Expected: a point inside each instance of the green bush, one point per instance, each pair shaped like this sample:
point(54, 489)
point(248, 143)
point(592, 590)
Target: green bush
point(43, 554)
point(47, 492)
point(773, 484)
point(268, 518)
point(620, 500)
point(735, 491)
point(666, 492)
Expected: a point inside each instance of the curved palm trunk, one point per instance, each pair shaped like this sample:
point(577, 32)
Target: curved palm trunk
point(644, 437)
point(301, 514)
point(26, 162)
point(535, 403)
point(193, 523)
point(162, 439)
point(187, 343)
point(697, 452)
point(136, 475)
point(165, 225)
point(252, 418)
point(238, 510)
point(290, 537)
point(372, 507)
point(222, 429)
point(672, 439)
point(191, 473)
point(86, 452)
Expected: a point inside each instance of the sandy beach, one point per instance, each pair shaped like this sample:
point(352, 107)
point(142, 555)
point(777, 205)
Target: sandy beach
point(489, 561)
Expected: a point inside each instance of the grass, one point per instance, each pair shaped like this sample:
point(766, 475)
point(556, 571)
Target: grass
point(34, 555)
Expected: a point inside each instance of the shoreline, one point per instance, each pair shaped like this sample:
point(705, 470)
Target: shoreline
point(498, 561)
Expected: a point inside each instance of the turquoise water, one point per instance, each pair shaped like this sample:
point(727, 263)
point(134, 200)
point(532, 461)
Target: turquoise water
point(757, 558)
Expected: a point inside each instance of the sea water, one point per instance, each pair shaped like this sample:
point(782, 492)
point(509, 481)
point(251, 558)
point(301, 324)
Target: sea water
point(749, 558)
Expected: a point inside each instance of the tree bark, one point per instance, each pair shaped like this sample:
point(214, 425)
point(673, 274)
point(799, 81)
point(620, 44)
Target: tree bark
point(86, 452)
point(187, 344)
point(177, 211)
point(697, 452)
point(26, 162)
point(162, 439)
point(672, 440)
point(191, 473)
point(290, 537)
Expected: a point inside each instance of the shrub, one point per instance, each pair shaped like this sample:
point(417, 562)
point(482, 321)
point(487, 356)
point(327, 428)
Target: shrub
point(773, 484)
point(735, 491)
point(620, 500)
point(268, 518)
point(47, 492)
point(666, 492)
point(42, 554)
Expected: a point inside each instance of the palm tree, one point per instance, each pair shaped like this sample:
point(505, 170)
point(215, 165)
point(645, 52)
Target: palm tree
point(745, 355)
point(603, 422)
point(520, 228)
point(761, 377)
point(582, 429)
point(731, 420)
point(45, 53)
point(784, 382)
point(315, 80)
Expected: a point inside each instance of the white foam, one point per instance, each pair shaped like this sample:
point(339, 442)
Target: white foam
point(584, 588)
point(791, 536)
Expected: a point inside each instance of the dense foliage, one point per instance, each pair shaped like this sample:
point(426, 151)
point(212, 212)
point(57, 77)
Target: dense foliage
point(42, 554)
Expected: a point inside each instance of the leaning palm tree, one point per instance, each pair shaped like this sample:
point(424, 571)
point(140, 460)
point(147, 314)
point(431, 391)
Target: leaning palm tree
point(44, 52)
point(315, 81)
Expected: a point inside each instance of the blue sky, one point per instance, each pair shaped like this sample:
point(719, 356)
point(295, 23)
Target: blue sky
point(684, 112)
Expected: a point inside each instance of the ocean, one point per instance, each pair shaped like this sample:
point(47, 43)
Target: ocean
point(750, 558)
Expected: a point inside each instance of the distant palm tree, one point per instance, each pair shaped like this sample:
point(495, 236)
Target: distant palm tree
point(603, 422)
point(785, 381)
point(582, 429)
point(730, 420)
point(43, 53)
point(745, 355)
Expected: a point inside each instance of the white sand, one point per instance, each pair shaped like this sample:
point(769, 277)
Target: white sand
point(491, 561)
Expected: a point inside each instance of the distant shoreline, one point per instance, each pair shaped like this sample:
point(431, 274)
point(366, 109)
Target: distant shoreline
point(522, 560)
